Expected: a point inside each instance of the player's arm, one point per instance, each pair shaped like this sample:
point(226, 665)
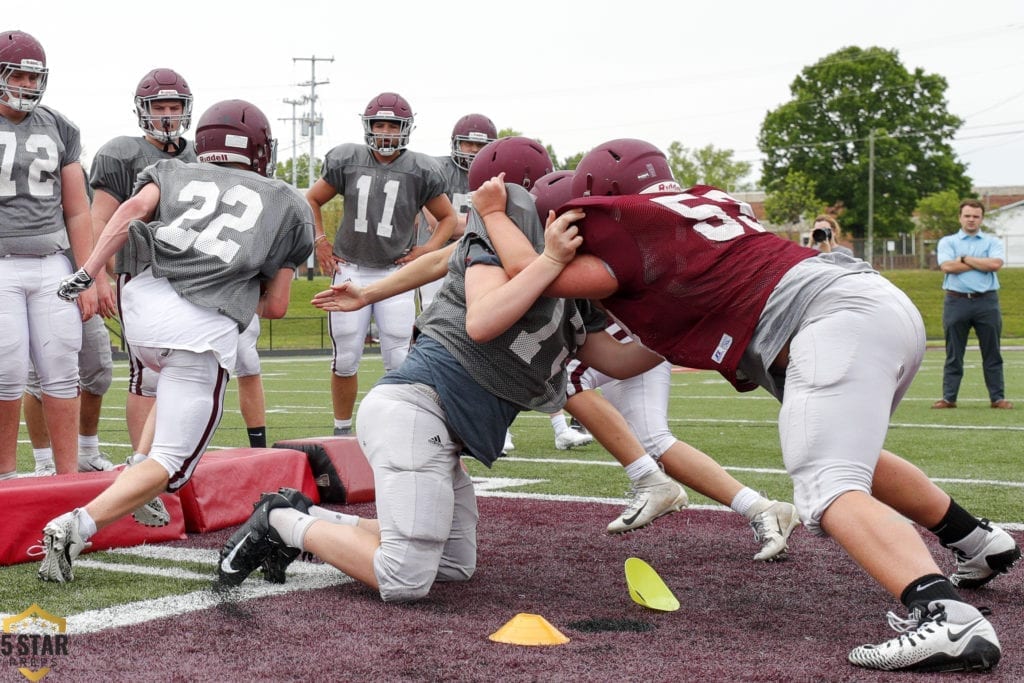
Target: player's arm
point(494, 302)
point(460, 222)
point(104, 205)
point(605, 353)
point(318, 195)
point(139, 206)
point(347, 296)
point(75, 204)
point(587, 277)
point(274, 301)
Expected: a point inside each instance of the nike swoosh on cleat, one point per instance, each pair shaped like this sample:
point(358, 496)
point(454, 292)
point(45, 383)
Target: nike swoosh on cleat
point(630, 520)
point(970, 627)
point(225, 564)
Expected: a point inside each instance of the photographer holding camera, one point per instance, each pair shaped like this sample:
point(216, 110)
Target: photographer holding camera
point(825, 234)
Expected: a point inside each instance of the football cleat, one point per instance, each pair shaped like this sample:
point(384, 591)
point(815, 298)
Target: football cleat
point(275, 564)
point(577, 426)
point(343, 431)
point(98, 462)
point(46, 468)
point(509, 446)
point(154, 514)
point(773, 521)
point(570, 438)
point(250, 545)
point(948, 636)
point(998, 555)
point(62, 544)
point(653, 496)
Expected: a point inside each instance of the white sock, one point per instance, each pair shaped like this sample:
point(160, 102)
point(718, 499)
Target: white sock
point(42, 455)
point(558, 423)
point(744, 500)
point(332, 516)
point(292, 525)
point(640, 468)
point(137, 458)
point(342, 424)
point(86, 524)
point(88, 445)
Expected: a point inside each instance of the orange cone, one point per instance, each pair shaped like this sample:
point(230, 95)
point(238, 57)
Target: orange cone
point(528, 629)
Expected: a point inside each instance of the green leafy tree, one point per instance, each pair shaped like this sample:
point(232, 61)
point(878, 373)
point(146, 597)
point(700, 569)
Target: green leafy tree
point(937, 213)
point(793, 200)
point(837, 105)
point(707, 165)
point(284, 171)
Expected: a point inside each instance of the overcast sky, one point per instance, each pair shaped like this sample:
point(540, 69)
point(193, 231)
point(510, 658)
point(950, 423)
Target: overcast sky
point(572, 74)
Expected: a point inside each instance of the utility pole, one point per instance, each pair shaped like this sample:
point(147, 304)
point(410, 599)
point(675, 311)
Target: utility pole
point(312, 121)
point(313, 124)
point(870, 247)
point(294, 119)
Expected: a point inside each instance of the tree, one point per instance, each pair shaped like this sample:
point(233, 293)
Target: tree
point(937, 213)
point(284, 170)
point(825, 131)
point(707, 166)
point(793, 200)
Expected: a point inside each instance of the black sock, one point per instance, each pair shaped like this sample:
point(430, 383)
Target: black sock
point(926, 589)
point(956, 524)
point(257, 437)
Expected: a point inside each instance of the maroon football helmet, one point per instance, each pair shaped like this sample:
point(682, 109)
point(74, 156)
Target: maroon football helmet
point(236, 131)
point(21, 52)
point(625, 166)
point(163, 84)
point(388, 106)
point(471, 128)
point(552, 191)
point(522, 160)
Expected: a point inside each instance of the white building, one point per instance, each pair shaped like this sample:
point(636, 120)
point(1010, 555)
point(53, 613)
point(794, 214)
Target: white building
point(1008, 223)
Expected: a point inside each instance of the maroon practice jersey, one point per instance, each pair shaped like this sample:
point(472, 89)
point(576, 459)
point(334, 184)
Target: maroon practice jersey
point(694, 271)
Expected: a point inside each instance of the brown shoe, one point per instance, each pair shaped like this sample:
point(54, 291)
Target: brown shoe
point(943, 403)
point(1002, 404)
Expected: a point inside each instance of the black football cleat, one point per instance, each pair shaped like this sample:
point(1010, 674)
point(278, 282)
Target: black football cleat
point(275, 564)
point(250, 545)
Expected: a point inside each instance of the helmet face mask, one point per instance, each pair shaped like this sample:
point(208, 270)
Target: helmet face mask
point(21, 55)
point(522, 160)
point(476, 129)
point(391, 107)
point(157, 88)
point(236, 131)
point(624, 166)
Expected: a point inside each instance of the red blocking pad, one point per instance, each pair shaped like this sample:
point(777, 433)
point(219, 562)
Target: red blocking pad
point(342, 472)
point(226, 483)
point(28, 503)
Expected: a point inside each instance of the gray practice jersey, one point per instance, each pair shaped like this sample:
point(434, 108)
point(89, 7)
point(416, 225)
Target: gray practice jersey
point(457, 184)
point(382, 202)
point(32, 155)
point(217, 232)
point(117, 166)
point(523, 365)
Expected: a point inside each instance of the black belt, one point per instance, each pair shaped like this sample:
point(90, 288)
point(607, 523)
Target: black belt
point(969, 295)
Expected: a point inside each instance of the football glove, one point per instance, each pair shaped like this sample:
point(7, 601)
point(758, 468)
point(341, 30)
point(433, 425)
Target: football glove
point(73, 285)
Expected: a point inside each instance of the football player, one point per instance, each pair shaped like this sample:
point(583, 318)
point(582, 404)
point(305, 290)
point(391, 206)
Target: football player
point(695, 276)
point(163, 107)
point(384, 185)
point(44, 209)
point(204, 240)
point(467, 376)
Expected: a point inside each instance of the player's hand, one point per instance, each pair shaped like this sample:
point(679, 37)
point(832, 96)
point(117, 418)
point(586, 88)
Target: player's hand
point(562, 238)
point(491, 197)
point(87, 304)
point(106, 299)
point(73, 285)
point(326, 258)
point(345, 296)
point(412, 255)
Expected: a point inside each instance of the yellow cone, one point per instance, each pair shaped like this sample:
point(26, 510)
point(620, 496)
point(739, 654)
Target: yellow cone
point(528, 629)
point(646, 587)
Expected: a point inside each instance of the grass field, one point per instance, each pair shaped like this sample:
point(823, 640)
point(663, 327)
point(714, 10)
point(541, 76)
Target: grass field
point(974, 452)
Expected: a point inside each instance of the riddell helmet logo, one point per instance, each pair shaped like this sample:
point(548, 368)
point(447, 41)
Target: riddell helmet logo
point(33, 641)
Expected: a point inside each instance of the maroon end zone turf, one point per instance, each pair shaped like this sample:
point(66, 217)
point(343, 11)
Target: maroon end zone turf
point(28, 503)
point(339, 467)
point(739, 620)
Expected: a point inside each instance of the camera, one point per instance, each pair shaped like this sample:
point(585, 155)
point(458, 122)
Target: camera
point(821, 235)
